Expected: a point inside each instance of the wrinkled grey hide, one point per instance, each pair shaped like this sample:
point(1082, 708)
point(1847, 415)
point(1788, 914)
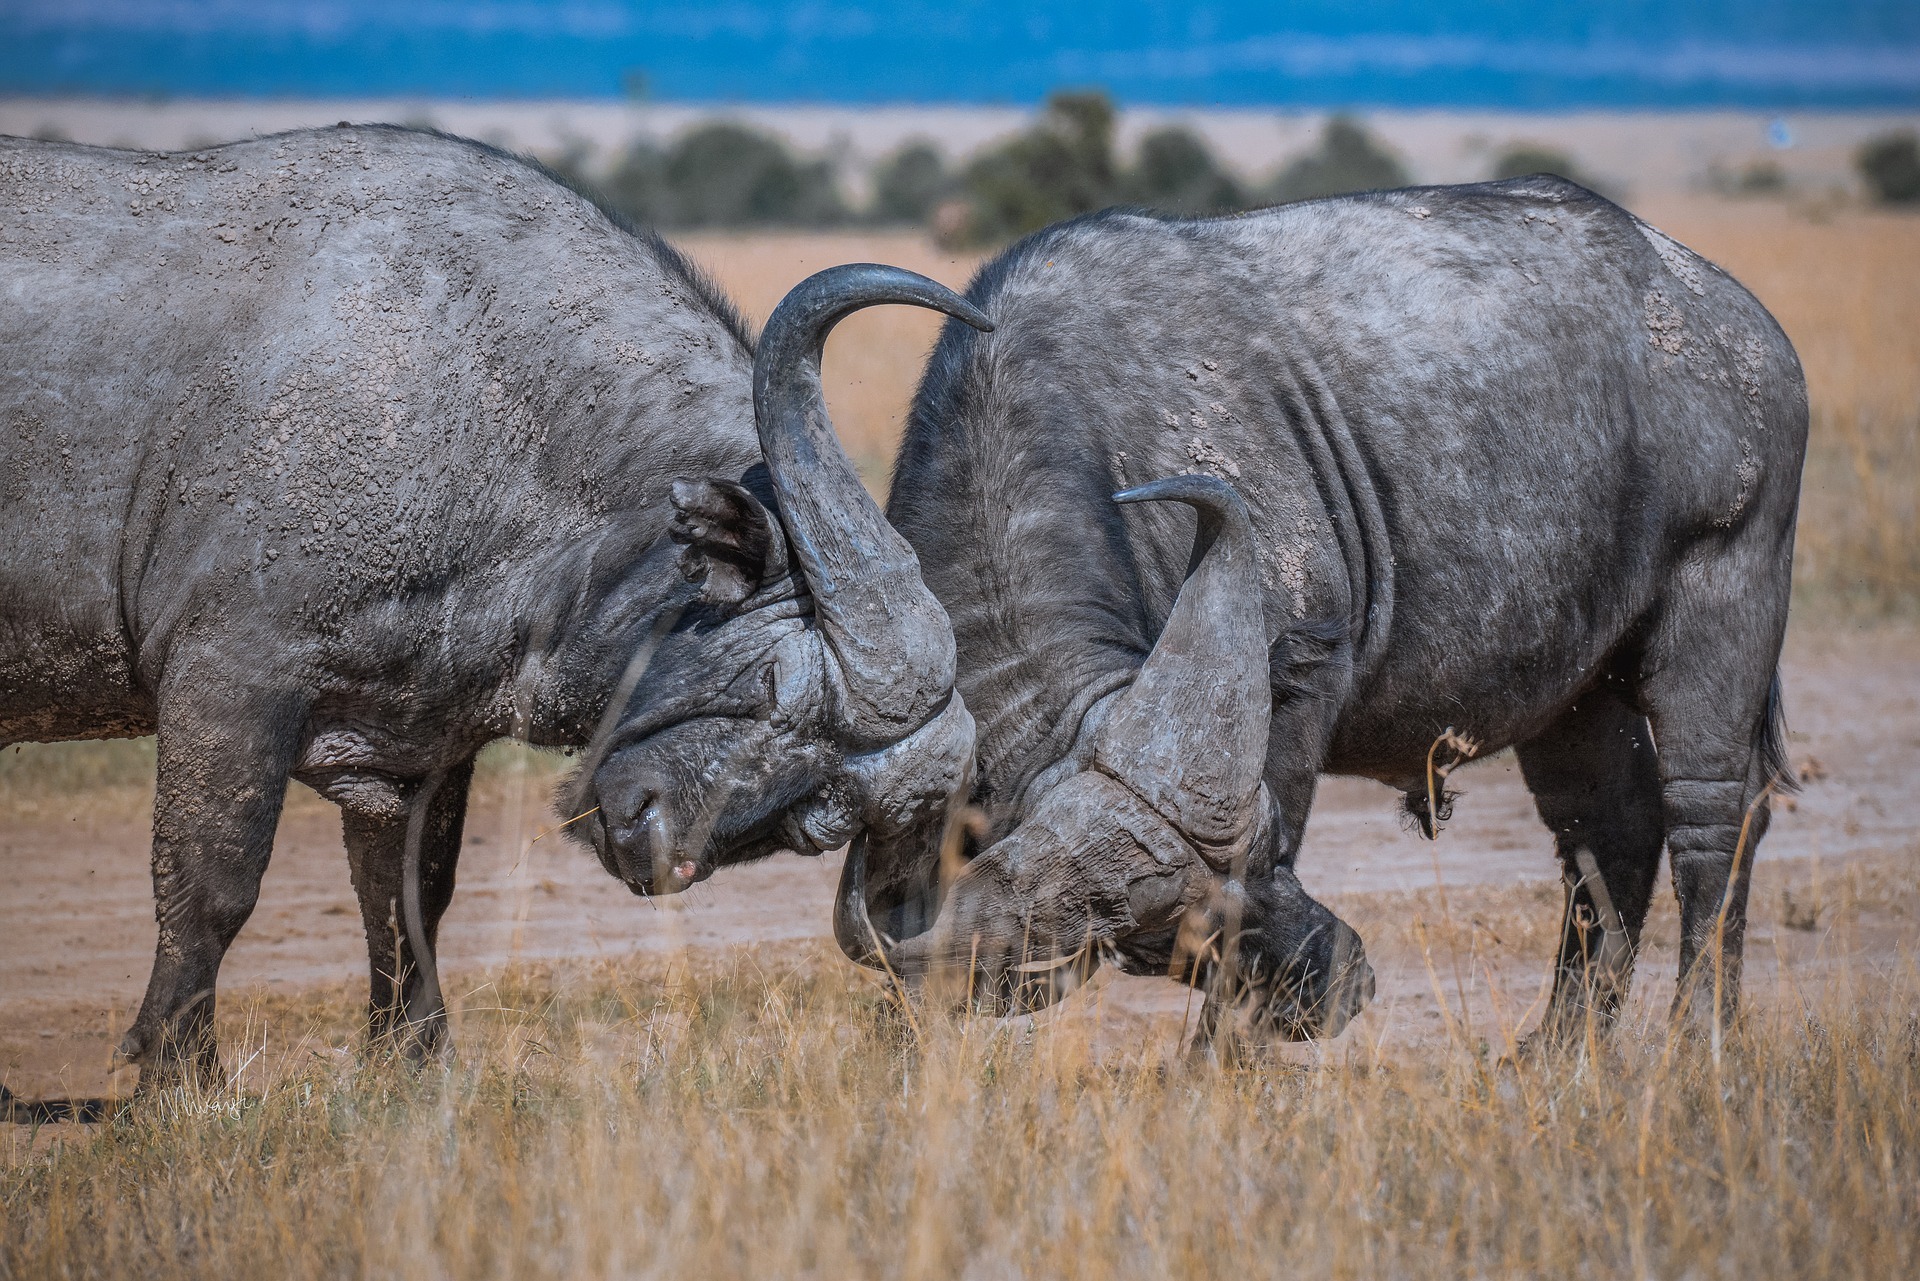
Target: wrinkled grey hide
point(338, 454)
point(1519, 467)
point(1144, 838)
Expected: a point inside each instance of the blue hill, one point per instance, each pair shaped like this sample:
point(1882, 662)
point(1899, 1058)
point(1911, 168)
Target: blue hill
point(1458, 53)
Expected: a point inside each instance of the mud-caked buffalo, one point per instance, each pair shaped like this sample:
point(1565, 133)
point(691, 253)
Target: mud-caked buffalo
point(1521, 472)
point(338, 454)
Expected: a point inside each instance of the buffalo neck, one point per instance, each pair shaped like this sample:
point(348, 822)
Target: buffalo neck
point(1034, 567)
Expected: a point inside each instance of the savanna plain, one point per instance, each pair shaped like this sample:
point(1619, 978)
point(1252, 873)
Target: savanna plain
point(701, 1086)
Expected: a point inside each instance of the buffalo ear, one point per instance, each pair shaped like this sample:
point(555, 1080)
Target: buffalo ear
point(732, 544)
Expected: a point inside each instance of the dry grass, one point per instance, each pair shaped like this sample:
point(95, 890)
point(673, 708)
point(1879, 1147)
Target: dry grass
point(776, 1116)
point(774, 1113)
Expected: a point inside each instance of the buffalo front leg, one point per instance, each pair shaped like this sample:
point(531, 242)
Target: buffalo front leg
point(404, 1006)
point(1596, 782)
point(1297, 970)
point(224, 755)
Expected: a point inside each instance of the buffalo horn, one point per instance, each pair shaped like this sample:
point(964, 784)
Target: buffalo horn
point(1188, 737)
point(890, 637)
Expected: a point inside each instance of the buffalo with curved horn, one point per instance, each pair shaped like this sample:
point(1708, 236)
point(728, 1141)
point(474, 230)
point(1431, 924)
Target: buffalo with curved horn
point(336, 455)
point(1522, 472)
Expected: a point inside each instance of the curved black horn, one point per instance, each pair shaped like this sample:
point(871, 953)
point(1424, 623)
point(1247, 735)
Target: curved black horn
point(862, 941)
point(1189, 736)
point(853, 928)
point(892, 639)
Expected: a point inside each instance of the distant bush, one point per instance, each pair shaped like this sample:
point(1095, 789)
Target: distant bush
point(1754, 178)
point(637, 184)
point(1175, 173)
point(1065, 165)
point(1523, 158)
point(570, 164)
point(910, 184)
point(1891, 166)
point(724, 175)
point(1347, 159)
point(1061, 167)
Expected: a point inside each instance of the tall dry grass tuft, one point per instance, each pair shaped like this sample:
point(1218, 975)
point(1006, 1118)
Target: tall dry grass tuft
point(777, 1117)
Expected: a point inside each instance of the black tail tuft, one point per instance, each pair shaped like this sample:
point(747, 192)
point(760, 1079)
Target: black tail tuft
point(1773, 743)
point(1417, 816)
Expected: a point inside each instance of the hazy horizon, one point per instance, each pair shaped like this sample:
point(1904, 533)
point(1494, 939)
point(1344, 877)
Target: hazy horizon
point(1458, 54)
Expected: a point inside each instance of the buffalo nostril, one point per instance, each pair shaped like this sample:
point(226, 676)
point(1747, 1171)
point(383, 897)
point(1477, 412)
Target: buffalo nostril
point(604, 838)
point(1356, 987)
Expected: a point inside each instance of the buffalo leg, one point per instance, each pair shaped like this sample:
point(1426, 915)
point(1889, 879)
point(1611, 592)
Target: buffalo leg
point(401, 1009)
point(1596, 783)
point(222, 775)
point(1312, 678)
point(1301, 966)
point(1710, 689)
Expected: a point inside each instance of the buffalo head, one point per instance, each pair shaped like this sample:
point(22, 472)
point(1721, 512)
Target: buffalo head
point(1152, 848)
point(806, 692)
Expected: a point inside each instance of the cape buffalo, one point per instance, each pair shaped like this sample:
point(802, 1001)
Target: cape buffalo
point(338, 454)
point(1522, 472)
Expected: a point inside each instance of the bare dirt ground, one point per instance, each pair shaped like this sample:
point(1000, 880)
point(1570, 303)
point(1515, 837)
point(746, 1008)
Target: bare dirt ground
point(1460, 930)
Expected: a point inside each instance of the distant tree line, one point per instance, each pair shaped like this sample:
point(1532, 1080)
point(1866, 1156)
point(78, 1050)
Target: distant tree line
point(1888, 165)
point(726, 174)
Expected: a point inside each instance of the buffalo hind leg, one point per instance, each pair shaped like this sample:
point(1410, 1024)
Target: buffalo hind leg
point(224, 756)
point(1596, 782)
point(1712, 691)
point(403, 1008)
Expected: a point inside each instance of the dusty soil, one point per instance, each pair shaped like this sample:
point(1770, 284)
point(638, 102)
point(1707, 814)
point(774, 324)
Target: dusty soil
point(1460, 930)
